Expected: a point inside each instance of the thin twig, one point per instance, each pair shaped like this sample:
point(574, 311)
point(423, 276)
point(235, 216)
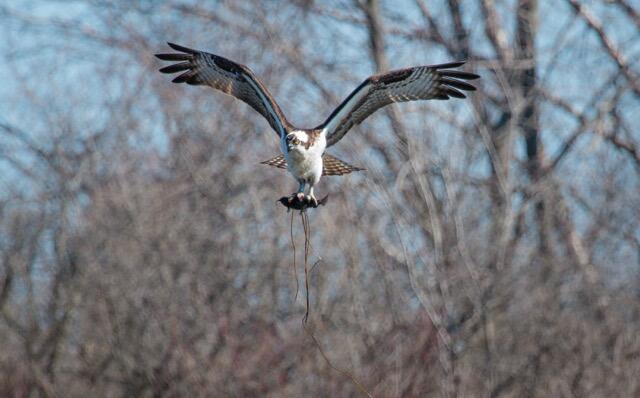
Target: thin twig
point(332, 366)
point(318, 261)
point(594, 24)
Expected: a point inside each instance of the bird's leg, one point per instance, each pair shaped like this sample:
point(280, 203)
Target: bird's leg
point(312, 197)
point(300, 193)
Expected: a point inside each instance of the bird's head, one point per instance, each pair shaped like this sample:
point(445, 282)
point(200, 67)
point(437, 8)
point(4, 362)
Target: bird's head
point(296, 140)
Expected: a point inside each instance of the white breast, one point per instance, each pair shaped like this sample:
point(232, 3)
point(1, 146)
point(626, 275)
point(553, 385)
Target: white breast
point(306, 164)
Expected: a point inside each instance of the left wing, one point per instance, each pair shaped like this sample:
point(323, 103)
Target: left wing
point(411, 84)
point(227, 76)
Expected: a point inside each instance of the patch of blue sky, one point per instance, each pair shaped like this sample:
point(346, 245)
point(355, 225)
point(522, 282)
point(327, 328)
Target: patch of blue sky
point(341, 43)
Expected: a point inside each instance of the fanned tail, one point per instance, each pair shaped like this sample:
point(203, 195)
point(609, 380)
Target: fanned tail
point(279, 162)
point(332, 166)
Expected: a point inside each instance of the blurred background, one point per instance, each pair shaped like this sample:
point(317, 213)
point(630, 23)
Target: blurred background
point(491, 249)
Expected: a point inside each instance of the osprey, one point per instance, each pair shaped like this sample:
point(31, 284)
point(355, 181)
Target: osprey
point(303, 150)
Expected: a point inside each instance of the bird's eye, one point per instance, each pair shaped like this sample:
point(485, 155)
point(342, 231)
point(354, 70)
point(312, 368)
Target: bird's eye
point(289, 138)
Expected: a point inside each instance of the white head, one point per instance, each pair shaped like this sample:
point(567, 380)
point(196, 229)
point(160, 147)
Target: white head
point(296, 139)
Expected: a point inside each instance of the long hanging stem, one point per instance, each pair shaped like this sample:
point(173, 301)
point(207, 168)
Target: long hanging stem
point(307, 245)
point(307, 233)
point(295, 268)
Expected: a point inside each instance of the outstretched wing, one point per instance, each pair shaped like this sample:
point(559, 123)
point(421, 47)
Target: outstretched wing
point(410, 84)
point(201, 68)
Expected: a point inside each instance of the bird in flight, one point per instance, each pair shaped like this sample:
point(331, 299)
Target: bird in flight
point(303, 150)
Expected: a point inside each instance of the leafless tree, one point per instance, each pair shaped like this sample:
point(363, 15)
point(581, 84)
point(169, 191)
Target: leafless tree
point(492, 247)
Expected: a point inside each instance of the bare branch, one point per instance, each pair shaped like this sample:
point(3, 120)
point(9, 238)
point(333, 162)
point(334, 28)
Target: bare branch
point(613, 52)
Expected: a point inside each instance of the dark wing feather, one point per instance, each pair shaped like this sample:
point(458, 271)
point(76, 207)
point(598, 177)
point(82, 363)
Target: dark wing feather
point(411, 84)
point(201, 68)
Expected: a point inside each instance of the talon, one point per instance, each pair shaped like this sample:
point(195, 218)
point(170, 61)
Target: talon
point(313, 200)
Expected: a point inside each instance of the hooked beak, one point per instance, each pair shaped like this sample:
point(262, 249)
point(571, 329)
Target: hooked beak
point(288, 141)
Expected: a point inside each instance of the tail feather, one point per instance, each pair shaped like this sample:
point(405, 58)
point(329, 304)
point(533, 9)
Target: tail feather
point(332, 166)
point(279, 162)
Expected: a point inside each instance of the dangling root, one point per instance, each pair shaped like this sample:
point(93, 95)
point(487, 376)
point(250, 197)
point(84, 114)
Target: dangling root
point(332, 366)
point(295, 269)
point(307, 247)
point(307, 233)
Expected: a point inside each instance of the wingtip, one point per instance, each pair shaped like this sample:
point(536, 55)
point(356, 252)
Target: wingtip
point(471, 76)
point(455, 64)
point(452, 92)
point(468, 75)
point(173, 56)
point(174, 68)
point(181, 78)
point(458, 74)
point(457, 83)
point(180, 48)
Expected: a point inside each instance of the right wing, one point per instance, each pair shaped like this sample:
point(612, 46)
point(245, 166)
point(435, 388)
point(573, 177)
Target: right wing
point(410, 84)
